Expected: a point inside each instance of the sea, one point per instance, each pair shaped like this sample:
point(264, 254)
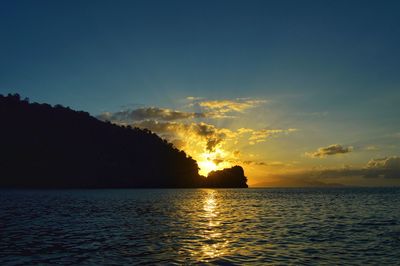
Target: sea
point(271, 226)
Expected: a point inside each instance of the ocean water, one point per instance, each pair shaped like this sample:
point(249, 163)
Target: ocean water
point(189, 226)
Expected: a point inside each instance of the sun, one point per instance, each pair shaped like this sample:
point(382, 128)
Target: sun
point(206, 167)
point(212, 161)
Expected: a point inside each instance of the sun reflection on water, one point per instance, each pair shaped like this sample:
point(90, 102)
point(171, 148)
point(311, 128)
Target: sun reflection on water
point(214, 244)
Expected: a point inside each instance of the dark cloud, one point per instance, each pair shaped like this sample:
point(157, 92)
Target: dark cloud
point(330, 150)
point(250, 162)
point(149, 113)
point(388, 167)
point(218, 161)
point(212, 143)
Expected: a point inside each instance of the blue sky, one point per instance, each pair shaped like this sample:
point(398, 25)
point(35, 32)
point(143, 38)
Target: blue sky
point(327, 68)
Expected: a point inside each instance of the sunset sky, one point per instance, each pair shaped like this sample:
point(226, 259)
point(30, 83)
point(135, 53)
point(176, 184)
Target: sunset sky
point(297, 92)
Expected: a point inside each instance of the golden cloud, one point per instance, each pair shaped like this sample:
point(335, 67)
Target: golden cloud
point(189, 133)
point(199, 139)
point(226, 106)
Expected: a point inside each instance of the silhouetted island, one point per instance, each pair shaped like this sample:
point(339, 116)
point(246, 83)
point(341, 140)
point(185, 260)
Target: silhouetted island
point(44, 146)
point(228, 177)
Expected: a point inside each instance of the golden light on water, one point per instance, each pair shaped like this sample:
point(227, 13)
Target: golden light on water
point(210, 204)
point(214, 244)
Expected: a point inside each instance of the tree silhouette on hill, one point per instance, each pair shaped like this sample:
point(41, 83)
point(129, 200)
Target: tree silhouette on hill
point(49, 147)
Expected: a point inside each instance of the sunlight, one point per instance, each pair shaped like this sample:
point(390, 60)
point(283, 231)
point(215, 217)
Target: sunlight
point(214, 244)
point(206, 167)
point(211, 161)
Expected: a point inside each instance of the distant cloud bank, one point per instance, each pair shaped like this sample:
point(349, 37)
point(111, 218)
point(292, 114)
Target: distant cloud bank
point(388, 167)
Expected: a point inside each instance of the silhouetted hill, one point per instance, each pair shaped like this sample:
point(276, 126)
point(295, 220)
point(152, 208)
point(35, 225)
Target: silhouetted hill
point(56, 147)
point(228, 177)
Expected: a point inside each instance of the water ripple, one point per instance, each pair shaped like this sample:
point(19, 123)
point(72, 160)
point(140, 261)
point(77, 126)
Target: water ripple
point(217, 226)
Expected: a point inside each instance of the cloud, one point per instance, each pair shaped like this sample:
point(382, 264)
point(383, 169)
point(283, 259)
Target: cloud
point(194, 133)
point(294, 181)
point(200, 137)
point(236, 153)
point(201, 132)
point(262, 135)
point(371, 148)
point(193, 98)
point(229, 105)
point(384, 163)
point(330, 150)
point(250, 162)
point(257, 136)
point(225, 106)
point(216, 109)
point(147, 113)
point(388, 167)
point(218, 161)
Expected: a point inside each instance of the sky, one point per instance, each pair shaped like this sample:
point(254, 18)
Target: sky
point(299, 93)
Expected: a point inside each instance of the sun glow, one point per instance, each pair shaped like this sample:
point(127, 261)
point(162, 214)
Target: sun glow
point(206, 167)
point(211, 161)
